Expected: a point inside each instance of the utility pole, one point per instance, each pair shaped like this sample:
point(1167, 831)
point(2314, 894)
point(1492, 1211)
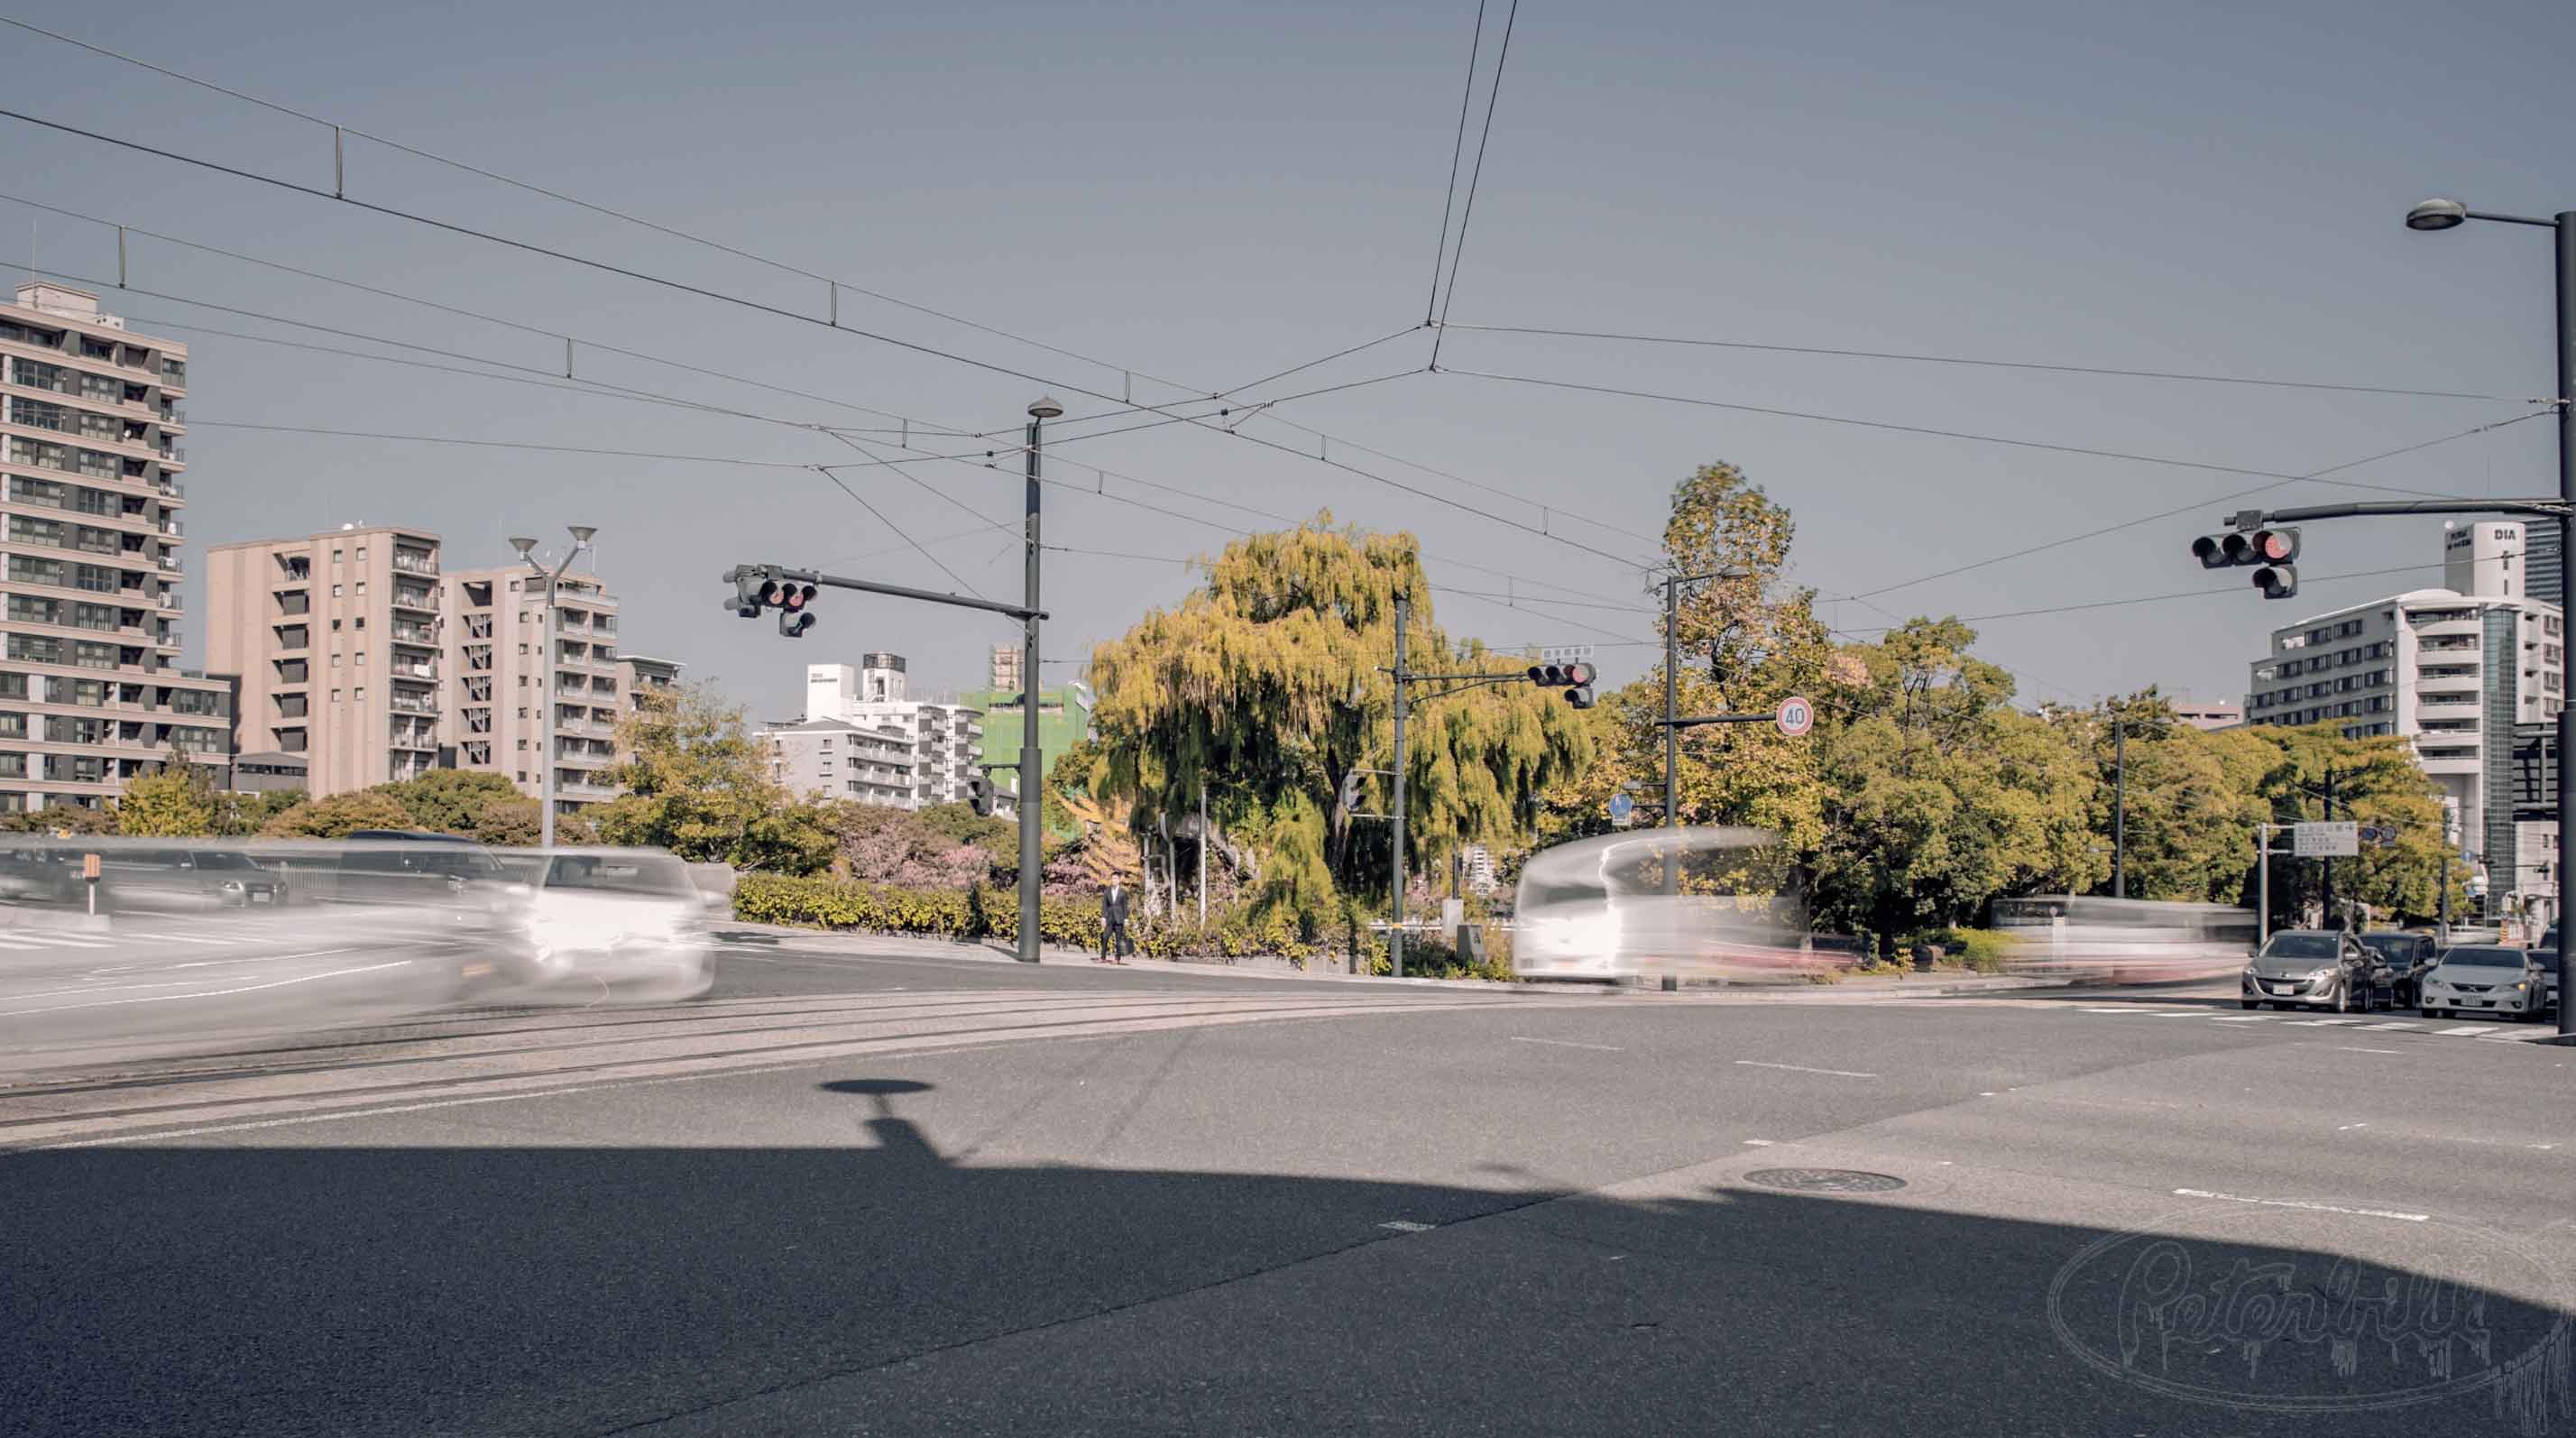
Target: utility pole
point(1203, 838)
point(2329, 860)
point(1672, 705)
point(1032, 773)
point(1395, 932)
point(2119, 807)
point(2262, 885)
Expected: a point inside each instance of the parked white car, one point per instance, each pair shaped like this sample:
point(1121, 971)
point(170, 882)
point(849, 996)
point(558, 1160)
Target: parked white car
point(2487, 979)
point(616, 915)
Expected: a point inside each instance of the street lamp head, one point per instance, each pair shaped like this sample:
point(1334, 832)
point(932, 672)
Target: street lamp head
point(581, 533)
point(2436, 215)
point(1045, 407)
point(526, 546)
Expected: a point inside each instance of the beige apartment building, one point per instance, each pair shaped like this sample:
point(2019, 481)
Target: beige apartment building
point(336, 641)
point(89, 429)
point(508, 669)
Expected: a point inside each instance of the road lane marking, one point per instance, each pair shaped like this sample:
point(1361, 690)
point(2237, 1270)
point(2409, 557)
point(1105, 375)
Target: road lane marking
point(2348, 1127)
point(2304, 1204)
point(2388, 1026)
point(1568, 1044)
point(1758, 1143)
point(2357, 1049)
point(1406, 1225)
point(2321, 1023)
point(2464, 1029)
point(2244, 1019)
point(2135, 1011)
point(1803, 1069)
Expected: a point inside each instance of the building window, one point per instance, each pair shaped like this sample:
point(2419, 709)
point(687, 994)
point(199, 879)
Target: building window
point(362, 587)
point(335, 556)
point(362, 554)
point(335, 591)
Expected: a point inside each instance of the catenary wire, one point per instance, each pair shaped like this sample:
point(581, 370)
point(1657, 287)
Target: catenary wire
point(1457, 149)
point(1980, 363)
point(1475, 176)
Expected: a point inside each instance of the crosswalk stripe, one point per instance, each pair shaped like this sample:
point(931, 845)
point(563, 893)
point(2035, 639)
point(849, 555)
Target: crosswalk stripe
point(67, 941)
point(2244, 1019)
point(2374, 1027)
point(2321, 1023)
point(2466, 1029)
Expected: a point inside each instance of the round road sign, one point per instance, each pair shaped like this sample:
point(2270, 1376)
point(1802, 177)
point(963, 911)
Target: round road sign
point(1796, 716)
point(1621, 806)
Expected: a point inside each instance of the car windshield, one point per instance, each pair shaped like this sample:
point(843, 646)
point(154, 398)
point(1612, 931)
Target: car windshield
point(2485, 958)
point(648, 874)
point(2393, 946)
point(2302, 946)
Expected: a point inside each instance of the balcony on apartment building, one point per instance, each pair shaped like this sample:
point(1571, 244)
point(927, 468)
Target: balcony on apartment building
point(412, 631)
point(403, 702)
point(416, 596)
point(408, 560)
point(2452, 681)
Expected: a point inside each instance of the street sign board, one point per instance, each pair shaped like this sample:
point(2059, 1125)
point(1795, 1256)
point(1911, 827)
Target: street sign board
point(1565, 654)
point(1621, 806)
point(1796, 715)
point(2325, 841)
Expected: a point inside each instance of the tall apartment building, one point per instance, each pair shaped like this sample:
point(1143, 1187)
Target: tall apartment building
point(509, 668)
point(2453, 669)
point(641, 674)
point(836, 759)
point(91, 420)
point(944, 738)
point(335, 641)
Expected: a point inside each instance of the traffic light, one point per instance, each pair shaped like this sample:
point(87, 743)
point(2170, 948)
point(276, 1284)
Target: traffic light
point(979, 792)
point(2270, 551)
point(766, 586)
point(1574, 678)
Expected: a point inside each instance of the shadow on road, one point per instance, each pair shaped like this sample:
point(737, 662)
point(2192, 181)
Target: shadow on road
point(876, 1285)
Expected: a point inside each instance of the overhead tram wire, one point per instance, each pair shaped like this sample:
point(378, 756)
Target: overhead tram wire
point(1457, 149)
point(1475, 177)
point(917, 546)
point(2027, 550)
point(756, 306)
point(2045, 367)
point(532, 374)
point(1892, 427)
point(2232, 591)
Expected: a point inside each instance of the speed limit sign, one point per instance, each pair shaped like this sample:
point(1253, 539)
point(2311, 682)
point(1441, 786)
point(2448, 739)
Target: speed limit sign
point(1796, 715)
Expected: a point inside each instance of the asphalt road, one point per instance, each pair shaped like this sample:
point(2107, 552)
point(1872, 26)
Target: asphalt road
point(899, 1194)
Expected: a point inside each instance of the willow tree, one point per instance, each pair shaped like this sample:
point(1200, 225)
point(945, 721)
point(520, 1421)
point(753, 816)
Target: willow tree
point(1266, 686)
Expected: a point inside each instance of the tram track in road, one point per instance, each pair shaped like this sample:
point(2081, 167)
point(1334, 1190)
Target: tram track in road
point(705, 1041)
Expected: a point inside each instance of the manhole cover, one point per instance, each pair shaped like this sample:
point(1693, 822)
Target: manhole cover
point(1825, 1180)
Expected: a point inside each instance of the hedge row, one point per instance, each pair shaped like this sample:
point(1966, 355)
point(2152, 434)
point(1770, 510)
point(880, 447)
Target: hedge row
point(979, 913)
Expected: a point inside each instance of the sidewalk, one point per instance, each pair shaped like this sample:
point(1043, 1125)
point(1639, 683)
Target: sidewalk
point(1326, 969)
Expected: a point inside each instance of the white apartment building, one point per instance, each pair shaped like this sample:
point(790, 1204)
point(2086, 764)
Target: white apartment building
point(2453, 669)
point(836, 759)
point(945, 739)
point(89, 423)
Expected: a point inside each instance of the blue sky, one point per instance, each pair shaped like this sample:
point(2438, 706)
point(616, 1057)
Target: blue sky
point(1213, 192)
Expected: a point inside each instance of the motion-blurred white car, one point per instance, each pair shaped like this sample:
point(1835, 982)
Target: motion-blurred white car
point(616, 915)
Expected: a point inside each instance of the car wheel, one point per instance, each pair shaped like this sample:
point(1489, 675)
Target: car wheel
point(2247, 1004)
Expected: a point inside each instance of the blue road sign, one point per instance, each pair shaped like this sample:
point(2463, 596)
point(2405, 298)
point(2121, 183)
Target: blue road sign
point(1621, 806)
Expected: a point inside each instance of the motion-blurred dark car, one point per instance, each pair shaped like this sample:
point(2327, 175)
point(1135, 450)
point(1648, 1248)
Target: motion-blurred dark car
point(41, 875)
point(2408, 957)
point(2315, 968)
point(155, 880)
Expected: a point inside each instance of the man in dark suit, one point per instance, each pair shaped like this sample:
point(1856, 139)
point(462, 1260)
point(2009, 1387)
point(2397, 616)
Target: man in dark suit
point(1113, 924)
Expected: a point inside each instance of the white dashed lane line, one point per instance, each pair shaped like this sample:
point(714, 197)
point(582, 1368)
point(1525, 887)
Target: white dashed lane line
point(2500, 1032)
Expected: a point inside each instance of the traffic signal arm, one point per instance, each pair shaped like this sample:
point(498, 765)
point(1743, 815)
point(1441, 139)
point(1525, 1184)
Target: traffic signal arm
point(754, 574)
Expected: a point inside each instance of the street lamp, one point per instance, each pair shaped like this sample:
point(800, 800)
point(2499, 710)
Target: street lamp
point(527, 548)
point(1032, 771)
point(2440, 214)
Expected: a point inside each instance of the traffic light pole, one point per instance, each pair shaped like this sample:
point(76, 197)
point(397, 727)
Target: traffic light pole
point(1032, 775)
point(2119, 807)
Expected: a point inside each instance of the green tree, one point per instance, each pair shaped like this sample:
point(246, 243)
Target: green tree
point(2376, 781)
point(2193, 798)
point(698, 785)
point(1939, 796)
point(1264, 685)
point(338, 816)
point(61, 819)
point(1745, 642)
point(176, 803)
point(451, 801)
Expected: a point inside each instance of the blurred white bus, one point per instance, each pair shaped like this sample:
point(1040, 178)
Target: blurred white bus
point(2125, 940)
point(1598, 909)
